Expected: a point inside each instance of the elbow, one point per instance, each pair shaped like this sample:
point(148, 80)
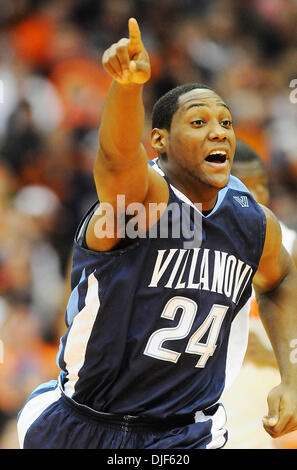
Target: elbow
point(286, 285)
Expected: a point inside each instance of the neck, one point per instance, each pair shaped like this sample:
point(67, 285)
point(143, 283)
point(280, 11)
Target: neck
point(195, 190)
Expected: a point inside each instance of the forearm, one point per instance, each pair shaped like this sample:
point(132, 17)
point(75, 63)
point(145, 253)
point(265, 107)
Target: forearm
point(278, 312)
point(122, 123)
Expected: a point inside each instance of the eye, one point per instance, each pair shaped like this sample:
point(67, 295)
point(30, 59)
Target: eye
point(226, 123)
point(198, 122)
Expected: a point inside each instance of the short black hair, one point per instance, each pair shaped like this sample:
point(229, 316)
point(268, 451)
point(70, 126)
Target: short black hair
point(167, 104)
point(244, 153)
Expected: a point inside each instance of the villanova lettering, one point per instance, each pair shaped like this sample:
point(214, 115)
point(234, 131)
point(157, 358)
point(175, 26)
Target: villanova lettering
point(196, 268)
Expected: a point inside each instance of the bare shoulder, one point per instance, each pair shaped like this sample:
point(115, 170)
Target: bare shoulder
point(110, 218)
point(273, 238)
point(275, 262)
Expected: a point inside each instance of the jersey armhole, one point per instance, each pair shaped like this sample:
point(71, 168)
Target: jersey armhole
point(80, 236)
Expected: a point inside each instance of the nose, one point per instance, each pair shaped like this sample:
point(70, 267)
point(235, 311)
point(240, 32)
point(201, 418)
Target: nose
point(217, 132)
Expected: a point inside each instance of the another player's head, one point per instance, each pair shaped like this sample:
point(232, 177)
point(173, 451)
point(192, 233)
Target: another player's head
point(249, 167)
point(192, 133)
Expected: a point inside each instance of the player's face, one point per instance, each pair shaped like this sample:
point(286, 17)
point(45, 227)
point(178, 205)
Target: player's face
point(201, 138)
point(254, 178)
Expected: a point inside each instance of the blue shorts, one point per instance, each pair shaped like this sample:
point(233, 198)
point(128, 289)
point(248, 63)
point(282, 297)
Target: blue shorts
point(52, 420)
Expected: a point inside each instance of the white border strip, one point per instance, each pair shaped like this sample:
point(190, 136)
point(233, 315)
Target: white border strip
point(33, 409)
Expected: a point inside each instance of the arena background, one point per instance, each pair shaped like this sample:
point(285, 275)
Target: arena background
point(51, 96)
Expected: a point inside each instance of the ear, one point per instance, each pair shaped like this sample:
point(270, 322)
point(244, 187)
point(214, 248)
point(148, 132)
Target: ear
point(159, 140)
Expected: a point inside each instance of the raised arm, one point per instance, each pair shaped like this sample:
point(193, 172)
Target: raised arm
point(122, 123)
point(121, 166)
point(275, 284)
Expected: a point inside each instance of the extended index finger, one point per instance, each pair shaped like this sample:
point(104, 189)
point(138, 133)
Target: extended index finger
point(134, 36)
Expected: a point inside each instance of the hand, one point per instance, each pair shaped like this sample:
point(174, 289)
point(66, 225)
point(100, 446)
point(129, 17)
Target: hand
point(282, 411)
point(127, 61)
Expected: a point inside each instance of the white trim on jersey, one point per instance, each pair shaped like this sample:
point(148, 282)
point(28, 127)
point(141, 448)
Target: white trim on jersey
point(176, 191)
point(237, 344)
point(79, 335)
point(33, 409)
point(288, 237)
point(233, 183)
point(218, 431)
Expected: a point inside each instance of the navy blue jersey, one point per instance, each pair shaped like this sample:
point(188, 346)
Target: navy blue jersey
point(160, 327)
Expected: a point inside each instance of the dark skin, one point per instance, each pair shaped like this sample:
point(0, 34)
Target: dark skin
point(202, 124)
point(121, 168)
point(255, 178)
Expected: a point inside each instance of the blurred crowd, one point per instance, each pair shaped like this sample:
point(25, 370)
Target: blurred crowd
point(53, 89)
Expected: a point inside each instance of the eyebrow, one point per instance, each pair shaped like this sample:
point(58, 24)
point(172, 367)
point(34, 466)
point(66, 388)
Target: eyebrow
point(202, 104)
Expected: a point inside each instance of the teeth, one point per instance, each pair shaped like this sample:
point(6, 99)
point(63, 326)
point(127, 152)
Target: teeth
point(218, 152)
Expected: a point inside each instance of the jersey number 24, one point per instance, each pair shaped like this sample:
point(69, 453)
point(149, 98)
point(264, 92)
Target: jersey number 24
point(211, 324)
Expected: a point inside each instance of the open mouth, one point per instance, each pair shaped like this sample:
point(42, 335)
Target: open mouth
point(218, 157)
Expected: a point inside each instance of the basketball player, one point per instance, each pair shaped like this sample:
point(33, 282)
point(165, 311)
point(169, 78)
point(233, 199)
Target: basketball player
point(249, 167)
point(259, 371)
point(157, 325)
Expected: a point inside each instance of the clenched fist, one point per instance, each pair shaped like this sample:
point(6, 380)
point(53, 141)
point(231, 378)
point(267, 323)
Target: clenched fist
point(282, 412)
point(127, 61)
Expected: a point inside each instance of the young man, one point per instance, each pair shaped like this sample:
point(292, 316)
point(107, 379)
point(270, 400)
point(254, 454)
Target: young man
point(157, 325)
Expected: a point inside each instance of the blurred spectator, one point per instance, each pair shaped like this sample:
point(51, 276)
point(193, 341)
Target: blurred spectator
point(22, 146)
point(34, 90)
point(82, 86)
point(38, 205)
point(27, 359)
